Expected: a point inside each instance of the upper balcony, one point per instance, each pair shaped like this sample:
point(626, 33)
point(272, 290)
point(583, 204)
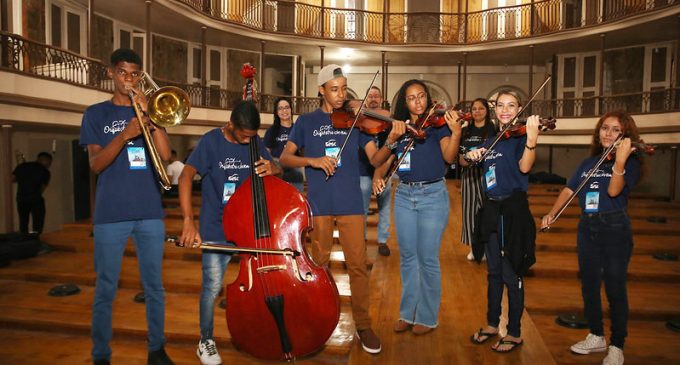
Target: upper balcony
point(411, 26)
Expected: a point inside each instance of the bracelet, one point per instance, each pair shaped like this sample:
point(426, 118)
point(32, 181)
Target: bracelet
point(616, 173)
point(529, 148)
point(391, 146)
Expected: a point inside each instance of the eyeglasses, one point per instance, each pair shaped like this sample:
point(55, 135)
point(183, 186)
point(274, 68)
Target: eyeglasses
point(122, 73)
point(283, 107)
point(412, 98)
point(614, 130)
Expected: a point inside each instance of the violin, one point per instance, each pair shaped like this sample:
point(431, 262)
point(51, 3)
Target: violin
point(369, 121)
point(520, 127)
point(640, 148)
point(436, 118)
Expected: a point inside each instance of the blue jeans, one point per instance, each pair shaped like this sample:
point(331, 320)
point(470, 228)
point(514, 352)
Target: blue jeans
point(605, 244)
point(366, 183)
point(384, 212)
point(420, 215)
point(110, 240)
point(214, 265)
point(500, 273)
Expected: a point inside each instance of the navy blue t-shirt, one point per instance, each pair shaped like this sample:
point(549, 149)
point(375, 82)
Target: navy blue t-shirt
point(224, 166)
point(593, 198)
point(365, 167)
point(279, 141)
point(341, 193)
point(424, 161)
point(502, 176)
point(128, 188)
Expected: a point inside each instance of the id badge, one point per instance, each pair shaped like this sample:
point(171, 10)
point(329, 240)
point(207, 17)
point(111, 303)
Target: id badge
point(592, 202)
point(136, 158)
point(490, 177)
point(406, 162)
point(333, 152)
point(229, 189)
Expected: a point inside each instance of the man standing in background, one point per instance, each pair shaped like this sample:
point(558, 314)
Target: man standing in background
point(32, 179)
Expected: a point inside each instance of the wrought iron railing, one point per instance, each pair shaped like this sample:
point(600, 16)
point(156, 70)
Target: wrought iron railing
point(510, 22)
point(18, 54)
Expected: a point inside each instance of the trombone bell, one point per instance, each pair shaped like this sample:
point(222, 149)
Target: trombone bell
point(168, 106)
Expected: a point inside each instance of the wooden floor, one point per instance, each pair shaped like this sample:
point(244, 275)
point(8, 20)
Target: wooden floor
point(56, 330)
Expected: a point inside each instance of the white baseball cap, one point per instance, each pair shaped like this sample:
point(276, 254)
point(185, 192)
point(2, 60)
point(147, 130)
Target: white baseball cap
point(329, 72)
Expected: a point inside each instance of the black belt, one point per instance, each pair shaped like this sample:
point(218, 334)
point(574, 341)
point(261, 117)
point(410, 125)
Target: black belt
point(421, 183)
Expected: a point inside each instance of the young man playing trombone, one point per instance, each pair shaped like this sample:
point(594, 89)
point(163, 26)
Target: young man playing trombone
point(128, 204)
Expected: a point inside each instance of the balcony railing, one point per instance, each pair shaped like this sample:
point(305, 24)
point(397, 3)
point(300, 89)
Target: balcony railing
point(20, 55)
point(510, 22)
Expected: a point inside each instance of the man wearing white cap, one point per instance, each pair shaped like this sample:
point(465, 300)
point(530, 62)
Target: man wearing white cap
point(333, 189)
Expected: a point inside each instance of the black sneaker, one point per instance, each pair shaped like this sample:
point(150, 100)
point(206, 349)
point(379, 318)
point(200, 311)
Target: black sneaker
point(101, 362)
point(159, 357)
point(383, 249)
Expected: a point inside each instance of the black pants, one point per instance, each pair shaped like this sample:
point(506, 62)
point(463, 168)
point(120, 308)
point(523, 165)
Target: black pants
point(500, 275)
point(605, 245)
point(34, 207)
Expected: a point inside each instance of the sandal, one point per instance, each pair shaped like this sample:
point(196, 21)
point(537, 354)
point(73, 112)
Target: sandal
point(480, 333)
point(503, 341)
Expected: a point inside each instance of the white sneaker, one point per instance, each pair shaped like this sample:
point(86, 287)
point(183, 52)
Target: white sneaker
point(207, 352)
point(614, 356)
point(591, 344)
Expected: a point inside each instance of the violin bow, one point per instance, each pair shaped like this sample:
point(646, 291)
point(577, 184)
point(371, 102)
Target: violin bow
point(584, 181)
point(513, 121)
point(354, 123)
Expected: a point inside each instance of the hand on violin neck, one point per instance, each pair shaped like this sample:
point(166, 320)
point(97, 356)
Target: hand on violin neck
point(623, 150)
point(533, 123)
point(454, 122)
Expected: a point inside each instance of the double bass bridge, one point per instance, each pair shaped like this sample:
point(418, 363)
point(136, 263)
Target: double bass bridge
point(272, 268)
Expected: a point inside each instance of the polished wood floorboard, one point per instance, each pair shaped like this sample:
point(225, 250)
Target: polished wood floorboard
point(56, 330)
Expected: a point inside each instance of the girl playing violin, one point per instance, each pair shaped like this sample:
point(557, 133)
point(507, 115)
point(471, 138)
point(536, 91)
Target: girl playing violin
point(421, 210)
point(276, 137)
point(472, 187)
point(604, 239)
point(506, 231)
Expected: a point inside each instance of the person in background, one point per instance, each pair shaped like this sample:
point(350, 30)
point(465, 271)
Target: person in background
point(472, 183)
point(605, 238)
point(276, 137)
point(128, 204)
point(32, 179)
point(174, 169)
point(368, 177)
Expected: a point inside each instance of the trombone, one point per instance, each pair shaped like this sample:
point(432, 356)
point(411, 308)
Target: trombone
point(166, 107)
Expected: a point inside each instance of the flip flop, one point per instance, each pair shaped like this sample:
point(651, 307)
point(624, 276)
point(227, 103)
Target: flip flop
point(480, 333)
point(503, 341)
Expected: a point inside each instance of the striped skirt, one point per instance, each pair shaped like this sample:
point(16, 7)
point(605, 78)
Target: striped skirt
point(472, 191)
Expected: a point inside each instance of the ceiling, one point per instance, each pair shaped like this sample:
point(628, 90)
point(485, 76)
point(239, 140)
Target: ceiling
point(186, 25)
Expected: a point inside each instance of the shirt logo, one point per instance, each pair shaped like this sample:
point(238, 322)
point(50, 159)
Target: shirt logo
point(595, 185)
point(493, 155)
point(598, 173)
point(330, 143)
point(326, 130)
point(282, 138)
point(232, 163)
point(117, 126)
point(233, 177)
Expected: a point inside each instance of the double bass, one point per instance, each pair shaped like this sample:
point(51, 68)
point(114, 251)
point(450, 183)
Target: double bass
point(281, 305)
